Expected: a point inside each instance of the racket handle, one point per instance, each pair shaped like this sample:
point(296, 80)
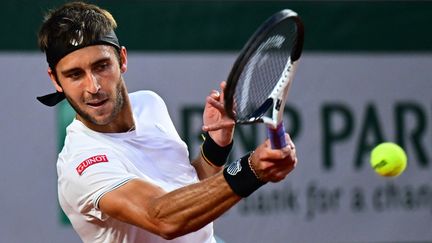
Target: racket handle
point(277, 136)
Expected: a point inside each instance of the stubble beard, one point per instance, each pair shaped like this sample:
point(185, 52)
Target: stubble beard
point(118, 105)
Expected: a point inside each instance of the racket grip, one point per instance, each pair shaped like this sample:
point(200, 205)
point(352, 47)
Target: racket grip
point(277, 136)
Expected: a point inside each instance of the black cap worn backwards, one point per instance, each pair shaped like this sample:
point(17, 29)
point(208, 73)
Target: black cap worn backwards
point(59, 50)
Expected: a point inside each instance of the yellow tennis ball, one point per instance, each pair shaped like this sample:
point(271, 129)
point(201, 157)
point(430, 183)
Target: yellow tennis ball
point(388, 159)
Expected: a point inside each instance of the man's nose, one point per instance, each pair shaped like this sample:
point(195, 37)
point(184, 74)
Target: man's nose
point(92, 84)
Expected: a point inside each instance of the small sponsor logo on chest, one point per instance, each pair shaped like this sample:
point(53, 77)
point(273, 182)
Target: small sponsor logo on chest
point(89, 162)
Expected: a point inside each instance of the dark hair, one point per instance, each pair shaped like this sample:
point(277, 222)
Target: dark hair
point(74, 20)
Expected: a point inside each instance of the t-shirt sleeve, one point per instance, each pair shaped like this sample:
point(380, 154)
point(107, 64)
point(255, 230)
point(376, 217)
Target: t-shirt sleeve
point(86, 177)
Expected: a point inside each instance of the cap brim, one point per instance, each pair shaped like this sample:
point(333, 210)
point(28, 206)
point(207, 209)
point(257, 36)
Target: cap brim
point(51, 99)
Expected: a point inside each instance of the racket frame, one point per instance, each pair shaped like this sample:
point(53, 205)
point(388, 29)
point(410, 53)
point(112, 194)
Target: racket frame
point(277, 98)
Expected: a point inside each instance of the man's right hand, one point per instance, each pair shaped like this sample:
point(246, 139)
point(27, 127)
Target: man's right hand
point(273, 165)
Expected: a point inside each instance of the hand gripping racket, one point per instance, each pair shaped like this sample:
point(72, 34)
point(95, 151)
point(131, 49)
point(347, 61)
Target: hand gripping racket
point(263, 72)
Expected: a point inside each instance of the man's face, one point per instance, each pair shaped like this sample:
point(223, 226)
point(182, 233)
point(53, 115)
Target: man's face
point(91, 81)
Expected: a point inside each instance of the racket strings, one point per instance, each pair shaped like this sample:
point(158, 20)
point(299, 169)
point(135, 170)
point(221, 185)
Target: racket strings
point(263, 70)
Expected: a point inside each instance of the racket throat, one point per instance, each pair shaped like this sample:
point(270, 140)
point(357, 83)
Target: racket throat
point(275, 119)
point(257, 115)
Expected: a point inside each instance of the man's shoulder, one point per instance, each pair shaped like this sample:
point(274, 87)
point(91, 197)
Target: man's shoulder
point(79, 139)
point(144, 95)
point(81, 146)
point(146, 100)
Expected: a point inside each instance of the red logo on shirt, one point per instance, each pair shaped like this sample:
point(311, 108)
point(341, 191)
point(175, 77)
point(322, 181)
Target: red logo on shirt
point(89, 162)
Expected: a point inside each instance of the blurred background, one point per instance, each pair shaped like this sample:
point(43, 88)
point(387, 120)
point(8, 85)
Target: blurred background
point(365, 77)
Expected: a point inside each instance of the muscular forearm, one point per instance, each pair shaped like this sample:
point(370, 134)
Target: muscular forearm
point(170, 214)
point(194, 206)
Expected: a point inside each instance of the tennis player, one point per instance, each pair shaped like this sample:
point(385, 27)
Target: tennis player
point(124, 173)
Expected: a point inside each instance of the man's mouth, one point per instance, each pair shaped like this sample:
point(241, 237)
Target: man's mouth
point(96, 103)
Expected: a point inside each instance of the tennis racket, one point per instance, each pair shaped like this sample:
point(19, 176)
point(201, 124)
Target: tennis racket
point(259, 81)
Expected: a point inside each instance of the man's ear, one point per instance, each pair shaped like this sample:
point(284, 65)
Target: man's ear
point(123, 59)
point(54, 80)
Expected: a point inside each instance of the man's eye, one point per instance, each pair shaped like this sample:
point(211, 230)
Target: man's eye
point(74, 75)
point(102, 66)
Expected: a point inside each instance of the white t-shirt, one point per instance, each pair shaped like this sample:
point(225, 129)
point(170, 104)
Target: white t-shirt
point(92, 164)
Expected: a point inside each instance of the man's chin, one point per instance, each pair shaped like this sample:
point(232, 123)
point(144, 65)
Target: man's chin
point(95, 119)
point(100, 116)
point(101, 120)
